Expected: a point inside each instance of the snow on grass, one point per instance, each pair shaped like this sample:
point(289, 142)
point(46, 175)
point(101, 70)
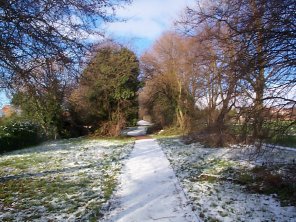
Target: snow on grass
point(64, 180)
point(216, 181)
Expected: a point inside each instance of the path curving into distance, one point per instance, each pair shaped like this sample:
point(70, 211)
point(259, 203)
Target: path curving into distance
point(149, 189)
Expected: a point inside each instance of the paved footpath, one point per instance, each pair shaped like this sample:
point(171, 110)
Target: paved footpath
point(149, 190)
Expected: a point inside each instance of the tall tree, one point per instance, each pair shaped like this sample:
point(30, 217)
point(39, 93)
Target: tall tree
point(168, 71)
point(41, 98)
point(264, 60)
point(106, 96)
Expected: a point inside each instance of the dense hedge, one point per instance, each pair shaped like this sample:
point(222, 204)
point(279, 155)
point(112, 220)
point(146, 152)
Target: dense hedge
point(19, 134)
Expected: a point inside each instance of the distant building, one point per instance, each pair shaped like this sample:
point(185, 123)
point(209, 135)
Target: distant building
point(9, 110)
point(283, 113)
point(269, 114)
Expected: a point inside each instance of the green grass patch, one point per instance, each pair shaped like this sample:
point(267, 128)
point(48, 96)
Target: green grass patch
point(217, 166)
point(68, 177)
point(281, 133)
point(23, 162)
point(283, 140)
point(245, 178)
point(169, 133)
point(23, 194)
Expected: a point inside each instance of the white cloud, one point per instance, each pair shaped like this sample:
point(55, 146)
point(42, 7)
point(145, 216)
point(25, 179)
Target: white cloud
point(147, 18)
point(136, 28)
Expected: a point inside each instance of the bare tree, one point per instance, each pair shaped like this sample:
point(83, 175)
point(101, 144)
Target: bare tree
point(255, 44)
point(41, 29)
point(168, 70)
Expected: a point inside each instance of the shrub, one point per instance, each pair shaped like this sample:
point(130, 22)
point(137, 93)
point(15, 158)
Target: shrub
point(18, 134)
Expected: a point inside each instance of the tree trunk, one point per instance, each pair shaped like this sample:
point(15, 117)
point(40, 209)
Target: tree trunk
point(260, 79)
point(179, 109)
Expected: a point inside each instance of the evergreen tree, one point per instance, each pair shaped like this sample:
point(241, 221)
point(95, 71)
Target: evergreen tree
point(107, 94)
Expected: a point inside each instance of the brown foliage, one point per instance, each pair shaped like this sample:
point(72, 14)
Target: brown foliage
point(111, 128)
point(167, 95)
point(210, 137)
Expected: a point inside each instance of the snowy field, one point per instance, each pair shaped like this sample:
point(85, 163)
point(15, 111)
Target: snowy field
point(68, 180)
point(227, 185)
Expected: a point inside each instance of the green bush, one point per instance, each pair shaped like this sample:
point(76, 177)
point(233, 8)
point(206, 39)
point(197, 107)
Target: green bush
point(18, 134)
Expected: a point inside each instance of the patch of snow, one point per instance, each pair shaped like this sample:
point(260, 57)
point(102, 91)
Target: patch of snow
point(224, 200)
point(59, 181)
point(140, 131)
point(144, 123)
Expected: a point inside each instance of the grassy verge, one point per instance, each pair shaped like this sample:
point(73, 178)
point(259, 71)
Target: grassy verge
point(225, 185)
point(285, 140)
point(168, 133)
point(65, 180)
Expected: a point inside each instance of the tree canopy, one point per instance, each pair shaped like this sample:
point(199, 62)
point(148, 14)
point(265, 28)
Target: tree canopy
point(230, 62)
point(106, 97)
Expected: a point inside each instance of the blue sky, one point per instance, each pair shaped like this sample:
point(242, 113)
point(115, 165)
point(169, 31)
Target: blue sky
point(145, 21)
point(3, 99)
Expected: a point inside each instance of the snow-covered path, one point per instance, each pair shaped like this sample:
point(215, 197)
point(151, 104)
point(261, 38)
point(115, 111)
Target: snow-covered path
point(149, 190)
